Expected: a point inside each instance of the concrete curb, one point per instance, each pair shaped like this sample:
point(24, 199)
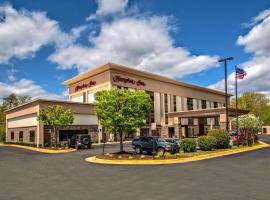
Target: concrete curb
point(39, 149)
point(93, 159)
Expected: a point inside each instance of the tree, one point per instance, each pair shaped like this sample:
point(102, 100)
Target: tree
point(249, 125)
point(23, 99)
point(56, 117)
point(12, 100)
point(122, 111)
point(258, 104)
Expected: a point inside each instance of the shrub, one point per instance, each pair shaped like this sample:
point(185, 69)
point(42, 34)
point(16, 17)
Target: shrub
point(188, 145)
point(167, 155)
point(207, 143)
point(222, 138)
point(142, 157)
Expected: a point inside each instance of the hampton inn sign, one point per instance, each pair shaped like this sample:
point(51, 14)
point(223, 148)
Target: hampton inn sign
point(118, 78)
point(85, 85)
point(173, 102)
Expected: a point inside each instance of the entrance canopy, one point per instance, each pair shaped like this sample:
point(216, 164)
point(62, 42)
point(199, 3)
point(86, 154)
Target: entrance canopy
point(212, 112)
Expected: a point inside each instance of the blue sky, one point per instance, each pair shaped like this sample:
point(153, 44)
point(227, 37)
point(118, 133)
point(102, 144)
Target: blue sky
point(47, 42)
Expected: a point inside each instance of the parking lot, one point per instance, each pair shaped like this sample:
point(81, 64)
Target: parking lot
point(29, 175)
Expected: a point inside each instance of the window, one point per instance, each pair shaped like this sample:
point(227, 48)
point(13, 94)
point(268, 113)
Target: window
point(215, 105)
point(191, 132)
point(12, 135)
point(77, 99)
point(91, 97)
point(216, 121)
point(190, 121)
point(32, 136)
point(203, 104)
point(21, 136)
point(166, 103)
point(190, 103)
point(264, 130)
point(174, 103)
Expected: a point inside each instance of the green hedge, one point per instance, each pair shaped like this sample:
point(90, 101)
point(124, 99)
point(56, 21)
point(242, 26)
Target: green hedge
point(222, 137)
point(188, 145)
point(207, 143)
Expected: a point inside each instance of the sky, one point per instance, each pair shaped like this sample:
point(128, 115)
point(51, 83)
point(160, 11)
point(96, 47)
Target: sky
point(43, 43)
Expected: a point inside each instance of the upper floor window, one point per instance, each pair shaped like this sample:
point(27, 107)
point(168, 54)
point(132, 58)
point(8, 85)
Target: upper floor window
point(166, 103)
point(190, 121)
point(91, 97)
point(215, 104)
point(174, 103)
point(203, 104)
point(190, 103)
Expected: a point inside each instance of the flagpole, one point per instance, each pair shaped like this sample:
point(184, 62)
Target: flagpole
point(236, 100)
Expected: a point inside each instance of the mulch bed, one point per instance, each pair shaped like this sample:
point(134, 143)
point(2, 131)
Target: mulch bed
point(54, 148)
point(132, 156)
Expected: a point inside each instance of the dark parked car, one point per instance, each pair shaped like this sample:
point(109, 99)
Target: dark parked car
point(149, 144)
point(174, 141)
point(80, 141)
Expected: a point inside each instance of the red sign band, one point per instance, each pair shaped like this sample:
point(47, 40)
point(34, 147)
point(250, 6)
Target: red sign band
point(85, 85)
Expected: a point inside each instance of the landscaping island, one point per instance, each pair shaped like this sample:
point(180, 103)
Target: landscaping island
point(131, 159)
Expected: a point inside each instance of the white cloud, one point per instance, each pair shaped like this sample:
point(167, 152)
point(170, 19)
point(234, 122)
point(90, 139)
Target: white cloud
point(108, 7)
point(11, 74)
point(22, 33)
point(26, 87)
point(143, 43)
point(256, 42)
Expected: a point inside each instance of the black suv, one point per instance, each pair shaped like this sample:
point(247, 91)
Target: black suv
point(80, 141)
point(160, 146)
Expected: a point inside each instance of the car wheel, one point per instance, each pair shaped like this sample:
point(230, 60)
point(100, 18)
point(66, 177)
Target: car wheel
point(161, 151)
point(138, 150)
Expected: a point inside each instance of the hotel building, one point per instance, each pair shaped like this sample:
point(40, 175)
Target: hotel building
point(179, 109)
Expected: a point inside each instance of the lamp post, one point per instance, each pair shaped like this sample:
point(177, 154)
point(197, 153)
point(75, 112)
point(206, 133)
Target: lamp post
point(224, 60)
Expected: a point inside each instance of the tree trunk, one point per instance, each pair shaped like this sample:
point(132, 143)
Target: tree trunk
point(56, 137)
point(104, 142)
point(121, 142)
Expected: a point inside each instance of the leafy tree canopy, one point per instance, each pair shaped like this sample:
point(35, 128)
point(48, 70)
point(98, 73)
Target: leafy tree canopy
point(56, 117)
point(12, 100)
point(122, 111)
point(258, 104)
point(247, 121)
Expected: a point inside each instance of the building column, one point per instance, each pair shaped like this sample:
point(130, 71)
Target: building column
point(185, 103)
point(179, 106)
point(38, 130)
point(157, 110)
point(211, 123)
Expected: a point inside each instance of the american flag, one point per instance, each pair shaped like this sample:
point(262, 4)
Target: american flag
point(240, 73)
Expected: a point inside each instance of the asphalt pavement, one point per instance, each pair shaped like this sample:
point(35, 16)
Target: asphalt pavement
point(26, 175)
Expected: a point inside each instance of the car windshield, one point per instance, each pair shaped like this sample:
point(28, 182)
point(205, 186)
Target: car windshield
point(160, 140)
